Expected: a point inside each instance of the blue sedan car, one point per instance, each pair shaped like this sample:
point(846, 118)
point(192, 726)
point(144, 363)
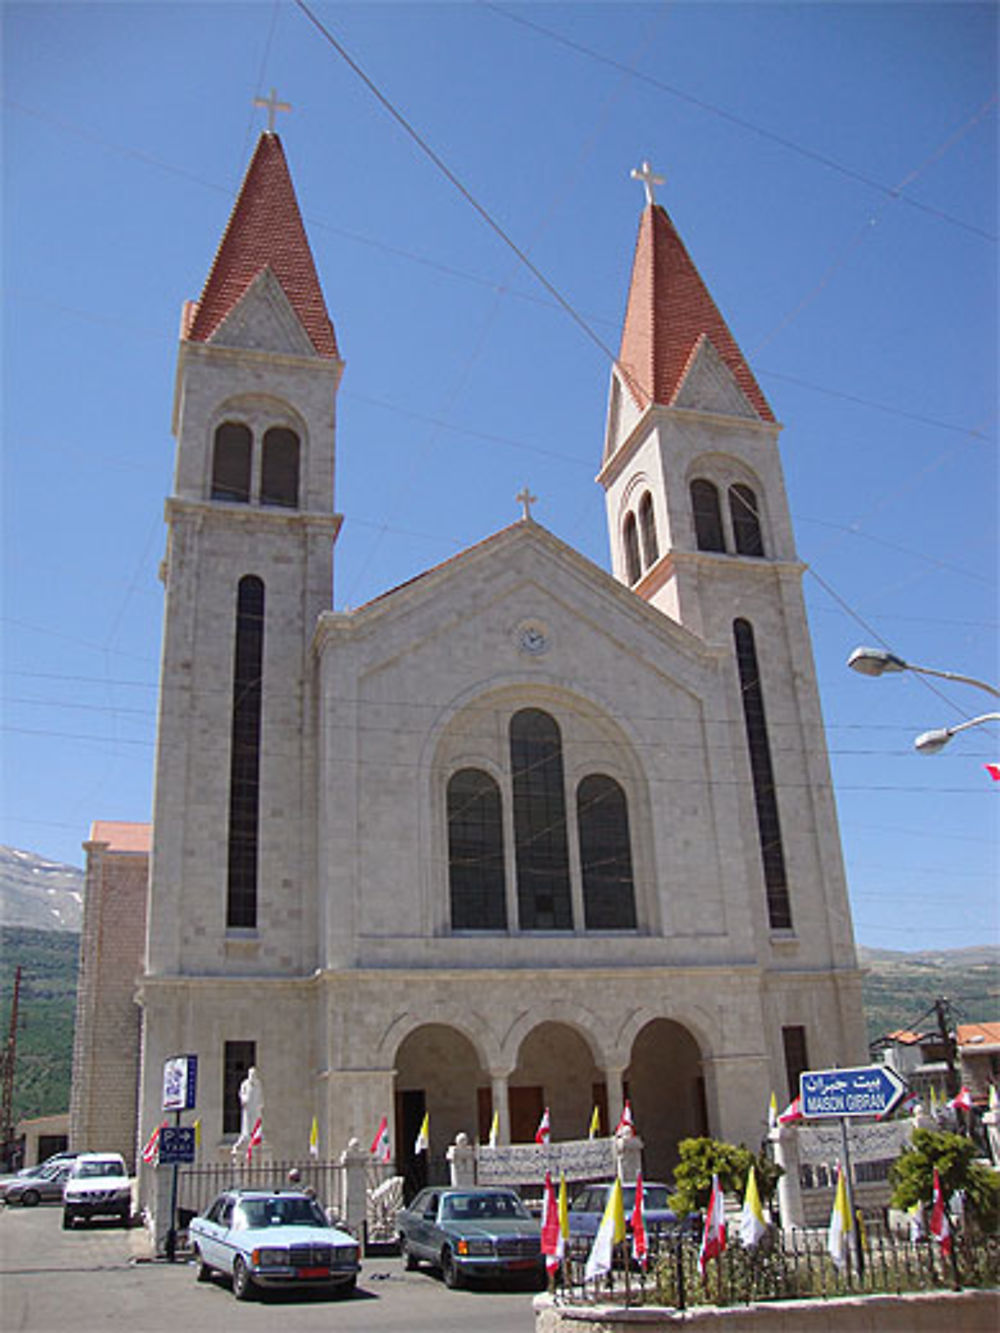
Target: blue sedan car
point(587, 1207)
point(272, 1238)
point(471, 1233)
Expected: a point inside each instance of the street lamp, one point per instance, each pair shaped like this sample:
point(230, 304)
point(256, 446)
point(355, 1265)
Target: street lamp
point(876, 662)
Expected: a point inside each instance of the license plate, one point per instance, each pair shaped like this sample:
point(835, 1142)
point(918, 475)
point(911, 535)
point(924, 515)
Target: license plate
point(520, 1263)
point(313, 1272)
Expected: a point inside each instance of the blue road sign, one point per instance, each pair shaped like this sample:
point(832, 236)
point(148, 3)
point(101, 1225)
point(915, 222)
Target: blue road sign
point(871, 1090)
point(176, 1144)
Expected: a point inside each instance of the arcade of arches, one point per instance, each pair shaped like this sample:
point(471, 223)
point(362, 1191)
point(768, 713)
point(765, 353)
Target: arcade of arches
point(440, 1072)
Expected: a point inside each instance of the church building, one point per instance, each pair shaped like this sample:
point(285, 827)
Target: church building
point(519, 833)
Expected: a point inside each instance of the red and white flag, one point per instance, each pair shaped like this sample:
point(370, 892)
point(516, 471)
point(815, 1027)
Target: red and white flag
point(940, 1227)
point(713, 1242)
point(381, 1149)
point(640, 1242)
point(993, 770)
point(542, 1132)
point(962, 1101)
point(791, 1113)
point(553, 1244)
point(151, 1149)
point(626, 1125)
point(256, 1138)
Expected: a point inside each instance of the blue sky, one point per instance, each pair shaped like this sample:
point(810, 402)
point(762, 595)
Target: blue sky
point(832, 169)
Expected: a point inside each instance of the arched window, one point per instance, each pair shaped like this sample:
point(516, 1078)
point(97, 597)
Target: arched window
point(707, 516)
point(605, 854)
point(541, 847)
point(746, 520)
point(231, 462)
point(630, 537)
point(279, 473)
point(475, 852)
point(647, 525)
point(244, 773)
point(779, 909)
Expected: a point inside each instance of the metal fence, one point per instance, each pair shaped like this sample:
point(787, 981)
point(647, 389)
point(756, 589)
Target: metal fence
point(197, 1186)
point(780, 1268)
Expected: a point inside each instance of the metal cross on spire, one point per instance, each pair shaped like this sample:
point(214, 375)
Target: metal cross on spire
point(525, 498)
point(273, 106)
point(650, 179)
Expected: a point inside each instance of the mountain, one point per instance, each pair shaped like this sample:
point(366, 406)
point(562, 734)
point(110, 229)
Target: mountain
point(45, 895)
point(899, 988)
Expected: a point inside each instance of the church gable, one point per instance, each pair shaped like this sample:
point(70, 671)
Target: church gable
point(263, 321)
point(708, 385)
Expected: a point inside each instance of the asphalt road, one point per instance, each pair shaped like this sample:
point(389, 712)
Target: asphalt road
point(89, 1280)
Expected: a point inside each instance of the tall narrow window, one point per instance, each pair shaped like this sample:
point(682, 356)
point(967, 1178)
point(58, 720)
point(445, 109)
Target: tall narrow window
point(279, 470)
point(708, 533)
point(765, 798)
point(647, 525)
point(475, 852)
point(630, 538)
point(231, 462)
point(796, 1057)
point(605, 854)
point(746, 520)
point(541, 847)
point(244, 775)
point(239, 1057)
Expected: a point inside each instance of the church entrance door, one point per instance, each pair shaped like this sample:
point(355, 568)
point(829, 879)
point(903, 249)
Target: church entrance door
point(526, 1108)
point(666, 1088)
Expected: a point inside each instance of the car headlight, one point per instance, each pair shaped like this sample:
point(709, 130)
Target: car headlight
point(474, 1248)
point(269, 1257)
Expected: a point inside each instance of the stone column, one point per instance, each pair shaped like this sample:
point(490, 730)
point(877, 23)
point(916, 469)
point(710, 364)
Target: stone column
point(462, 1161)
point(613, 1076)
point(355, 1160)
point(785, 1141)
point(498, 1082)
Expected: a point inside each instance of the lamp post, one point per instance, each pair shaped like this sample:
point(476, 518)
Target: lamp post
point(876, 662)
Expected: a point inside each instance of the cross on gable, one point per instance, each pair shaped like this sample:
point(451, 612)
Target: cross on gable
point(273, 106)
point(525, 498)
point(649, 178)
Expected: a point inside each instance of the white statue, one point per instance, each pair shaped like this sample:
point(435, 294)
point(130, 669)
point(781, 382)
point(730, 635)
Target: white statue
point(251, 1109)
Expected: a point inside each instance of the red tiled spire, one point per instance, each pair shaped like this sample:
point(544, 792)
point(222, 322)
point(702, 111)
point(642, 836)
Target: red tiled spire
point(265, 230)
point(669, 309)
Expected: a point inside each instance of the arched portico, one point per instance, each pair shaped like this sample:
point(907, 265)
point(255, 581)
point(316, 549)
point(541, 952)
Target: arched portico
point(665, 1082)
point(555, 1068)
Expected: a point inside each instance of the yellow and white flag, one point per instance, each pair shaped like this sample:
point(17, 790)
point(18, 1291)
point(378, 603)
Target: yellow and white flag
point(841, 1223)
point(609, 1233)
point(772, 1112)
point(752, 1224)
point(495, 1129)
point(595, 1125)
point(423, 1142)
point(314, 1138)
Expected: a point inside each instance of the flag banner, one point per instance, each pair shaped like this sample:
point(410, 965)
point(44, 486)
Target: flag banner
point(197, 1133)
point(543, 1130)
point(423, 1142)
point(563, 1210)
point(381, 1148)
point(841, 1222)
point(151, 1148)
point(962, 1101)
point(495, 1129)
point(791, 1113)
point(752, 1225)
point(609, 1233)
point(940, 1227)
point(625, 1125)
point(772, 1112)
point(595, 1125)
point(994, 771)
point(553, 1243)
point(713, 1241)
point(256, 1138)
point(640, 1242)
point(314, 1138)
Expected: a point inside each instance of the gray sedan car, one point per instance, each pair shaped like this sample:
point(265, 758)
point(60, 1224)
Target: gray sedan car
point(471, 1233)
point(45, 1186)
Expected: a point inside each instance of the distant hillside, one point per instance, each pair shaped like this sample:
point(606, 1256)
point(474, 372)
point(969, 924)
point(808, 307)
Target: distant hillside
point(900, 987)
point(44, 1063)
point(45, 895)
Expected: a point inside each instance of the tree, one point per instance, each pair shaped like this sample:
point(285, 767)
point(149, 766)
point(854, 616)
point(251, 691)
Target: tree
point(912, 1175)
point(700, 1159)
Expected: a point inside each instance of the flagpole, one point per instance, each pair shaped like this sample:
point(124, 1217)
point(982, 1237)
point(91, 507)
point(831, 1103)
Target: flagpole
point(849, 1185)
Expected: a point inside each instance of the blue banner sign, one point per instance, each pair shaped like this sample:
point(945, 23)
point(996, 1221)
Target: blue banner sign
point(872, 1090)
point(180, 1082)
point(176, 1144)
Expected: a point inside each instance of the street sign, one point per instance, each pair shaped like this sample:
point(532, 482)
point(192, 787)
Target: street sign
point(176, 1144)
point(871, 1090)
point(180, 1082)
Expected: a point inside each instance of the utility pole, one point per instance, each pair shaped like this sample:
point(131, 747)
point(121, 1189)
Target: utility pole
point(7, 1091)
point(942, 1008)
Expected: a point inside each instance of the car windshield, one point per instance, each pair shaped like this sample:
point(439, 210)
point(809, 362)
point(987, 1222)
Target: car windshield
point(653, 1196)
point(280, 1212)
point(103, 1168)
point(479, 1207)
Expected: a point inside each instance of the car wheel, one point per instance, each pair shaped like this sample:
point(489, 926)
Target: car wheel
point(67, 1220)
point(449, 1270)
point(347, 1288)
point(126, 1217)
point(30, 1198)
point(202, 1271)
point(410, 1262)
point(242, 1281)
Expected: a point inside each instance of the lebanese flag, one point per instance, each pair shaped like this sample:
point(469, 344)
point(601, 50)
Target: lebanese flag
point(713, 1242)
point(640, 1243)
point(542, 1132)
point(553, 1245)
point(963, 1101)
point(151, 1149)
point(381, 1149)
point(940, 1226)
point(256, 1138)
point(791, 1113)
point(993, 770)
point(625, 1125)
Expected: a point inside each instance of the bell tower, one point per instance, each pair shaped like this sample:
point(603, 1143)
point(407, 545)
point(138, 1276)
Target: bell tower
point(248, 570)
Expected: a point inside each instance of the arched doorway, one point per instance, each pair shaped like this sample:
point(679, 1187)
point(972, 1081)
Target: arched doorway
point(665, 1084)
point(555, 1068)
point(438, 1073)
